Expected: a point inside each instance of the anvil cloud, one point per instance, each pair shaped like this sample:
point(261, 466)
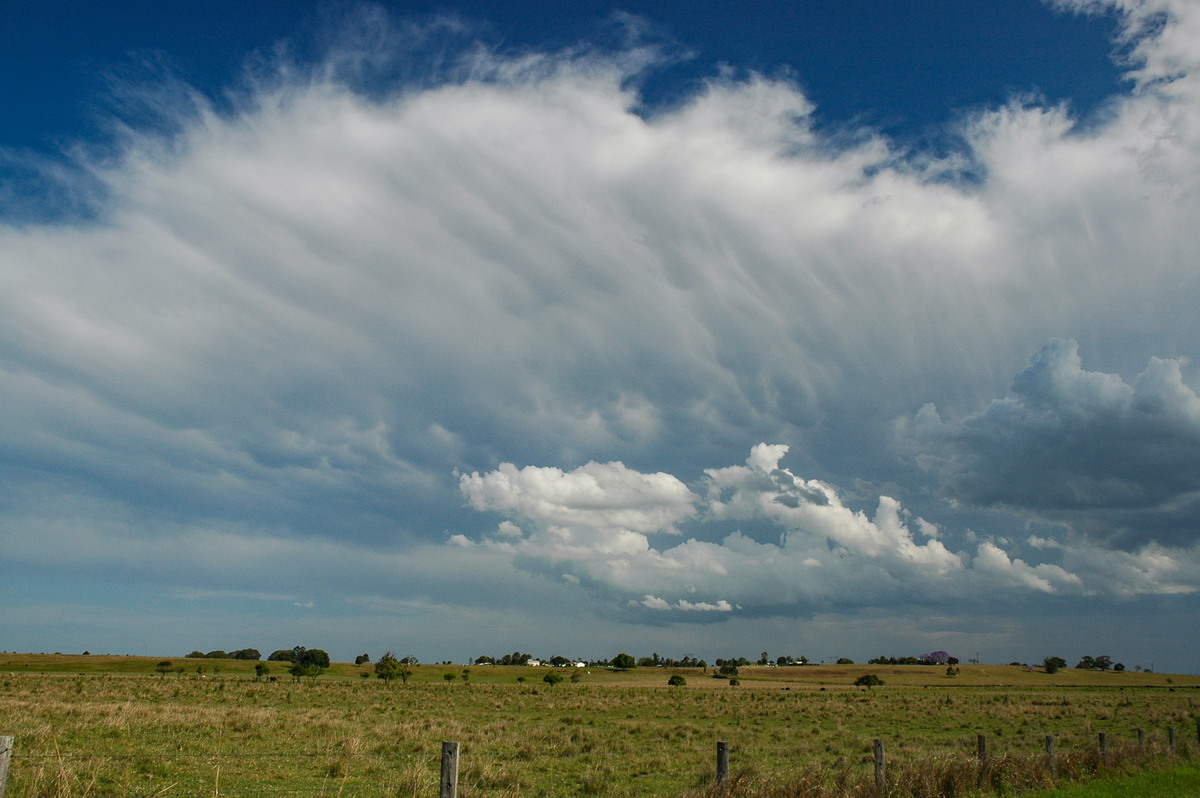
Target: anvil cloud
point(344, 357)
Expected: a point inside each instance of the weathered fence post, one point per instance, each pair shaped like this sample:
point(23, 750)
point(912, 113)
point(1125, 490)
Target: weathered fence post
point(1050, 753)
point(722, 762)
point(1141, 739)
point(1171, 738)
point(6, 747)
point(880, 779)
point(1103, 748)
point(981, 747)
point(449, 770)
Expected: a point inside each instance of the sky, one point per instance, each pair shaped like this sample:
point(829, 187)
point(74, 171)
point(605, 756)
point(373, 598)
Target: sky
point(834, 329)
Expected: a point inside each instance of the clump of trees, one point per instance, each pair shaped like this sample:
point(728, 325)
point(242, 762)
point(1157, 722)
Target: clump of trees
point(242, 653)
point(390, 668)
point(868, 680)
point(932, 658)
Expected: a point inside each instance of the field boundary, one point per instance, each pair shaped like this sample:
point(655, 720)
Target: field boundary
point(987, 771)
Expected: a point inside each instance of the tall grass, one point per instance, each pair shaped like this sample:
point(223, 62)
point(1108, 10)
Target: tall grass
point(94, 734)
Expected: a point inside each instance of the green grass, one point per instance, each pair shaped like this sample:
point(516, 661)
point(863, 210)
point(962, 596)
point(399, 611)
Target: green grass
point(112, 726)
point(1181, 782)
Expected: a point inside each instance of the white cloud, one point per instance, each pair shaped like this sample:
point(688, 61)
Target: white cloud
point(289, 323)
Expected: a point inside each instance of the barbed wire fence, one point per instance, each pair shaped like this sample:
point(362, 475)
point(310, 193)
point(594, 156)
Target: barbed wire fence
point(359, 774)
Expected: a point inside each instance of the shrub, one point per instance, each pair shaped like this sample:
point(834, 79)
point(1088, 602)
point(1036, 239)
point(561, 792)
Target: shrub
point(868, 680)
point(677, 681)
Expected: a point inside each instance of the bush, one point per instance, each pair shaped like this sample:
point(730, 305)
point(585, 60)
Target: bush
point(868, 680)
point(677, 681)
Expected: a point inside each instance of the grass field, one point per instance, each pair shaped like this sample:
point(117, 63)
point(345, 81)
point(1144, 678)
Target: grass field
point(92, 726)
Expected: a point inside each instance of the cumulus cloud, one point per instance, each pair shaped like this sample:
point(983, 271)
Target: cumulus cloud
point(1078, 444)
point(822, 552)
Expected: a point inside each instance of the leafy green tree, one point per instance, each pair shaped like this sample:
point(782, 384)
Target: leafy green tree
point(388, 667)
point(260, 670)
point(217, 654)
point(449, 677)
point(246, 654)
point(164, 667)
point(302, 670)
point(677, 681)
point(552, 678)
point(1053, 664)
point(868, 680)
point(624, 662)
point(362, 659)
point(845, 661)
point(313, 656)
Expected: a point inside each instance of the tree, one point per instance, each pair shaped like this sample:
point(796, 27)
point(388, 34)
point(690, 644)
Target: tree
point(246, 654)
point(728, 668)
point(313, 656)
point(868, 680)
point(164, 667)
point(845, 661)
point(1053, 664)
point(309, 670)
point(552, 678)
point(449, 677)
point(677, 681)
point(624, 662)
point(260, 670)
point(388, 667)
point(763, 658)
point(362, 659)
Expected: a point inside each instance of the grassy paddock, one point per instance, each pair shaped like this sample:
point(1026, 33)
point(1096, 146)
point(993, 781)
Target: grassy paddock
point(91, 726)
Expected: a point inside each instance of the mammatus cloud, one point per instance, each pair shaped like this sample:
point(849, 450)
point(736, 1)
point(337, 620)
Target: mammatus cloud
point(1121, 460)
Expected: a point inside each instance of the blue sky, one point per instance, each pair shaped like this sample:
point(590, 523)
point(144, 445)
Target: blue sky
point(826, 329)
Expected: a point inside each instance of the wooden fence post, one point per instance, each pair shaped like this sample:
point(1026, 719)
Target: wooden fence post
point(722, 762)
point(6, 747)
point(880, 778)
point(1141, 739)
point(1103, 748)
point(1171, 738)
point(981, 747)
point(449, 770)
point(1050, 753)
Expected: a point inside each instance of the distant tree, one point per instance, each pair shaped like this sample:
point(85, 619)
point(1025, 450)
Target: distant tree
point(448, 676)
point(217, 654)
point(261, 669)
point(362, 659)
point(868, 680)
point(763, 658)
point(936, 658)
point(1053, 664)
point(164, 667)
point(677, 681)
point(624, 662)
point(466, 674)
point(283, 655)
point(552, 678)
point(388, 667)
point(1119, 667)
point(576, 677)
point(728, 668)
point(845, 661)
point(195, 655)
point(302, 670)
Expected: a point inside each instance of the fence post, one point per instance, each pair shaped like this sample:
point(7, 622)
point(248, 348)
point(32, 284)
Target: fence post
point(981, 746)
point(722, 762)
point(1103, 748)
point(449, 770)
point(6, 747)
point(1171, 738)
point(1050, 753)
point(880, 780)
point(1141, 739)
